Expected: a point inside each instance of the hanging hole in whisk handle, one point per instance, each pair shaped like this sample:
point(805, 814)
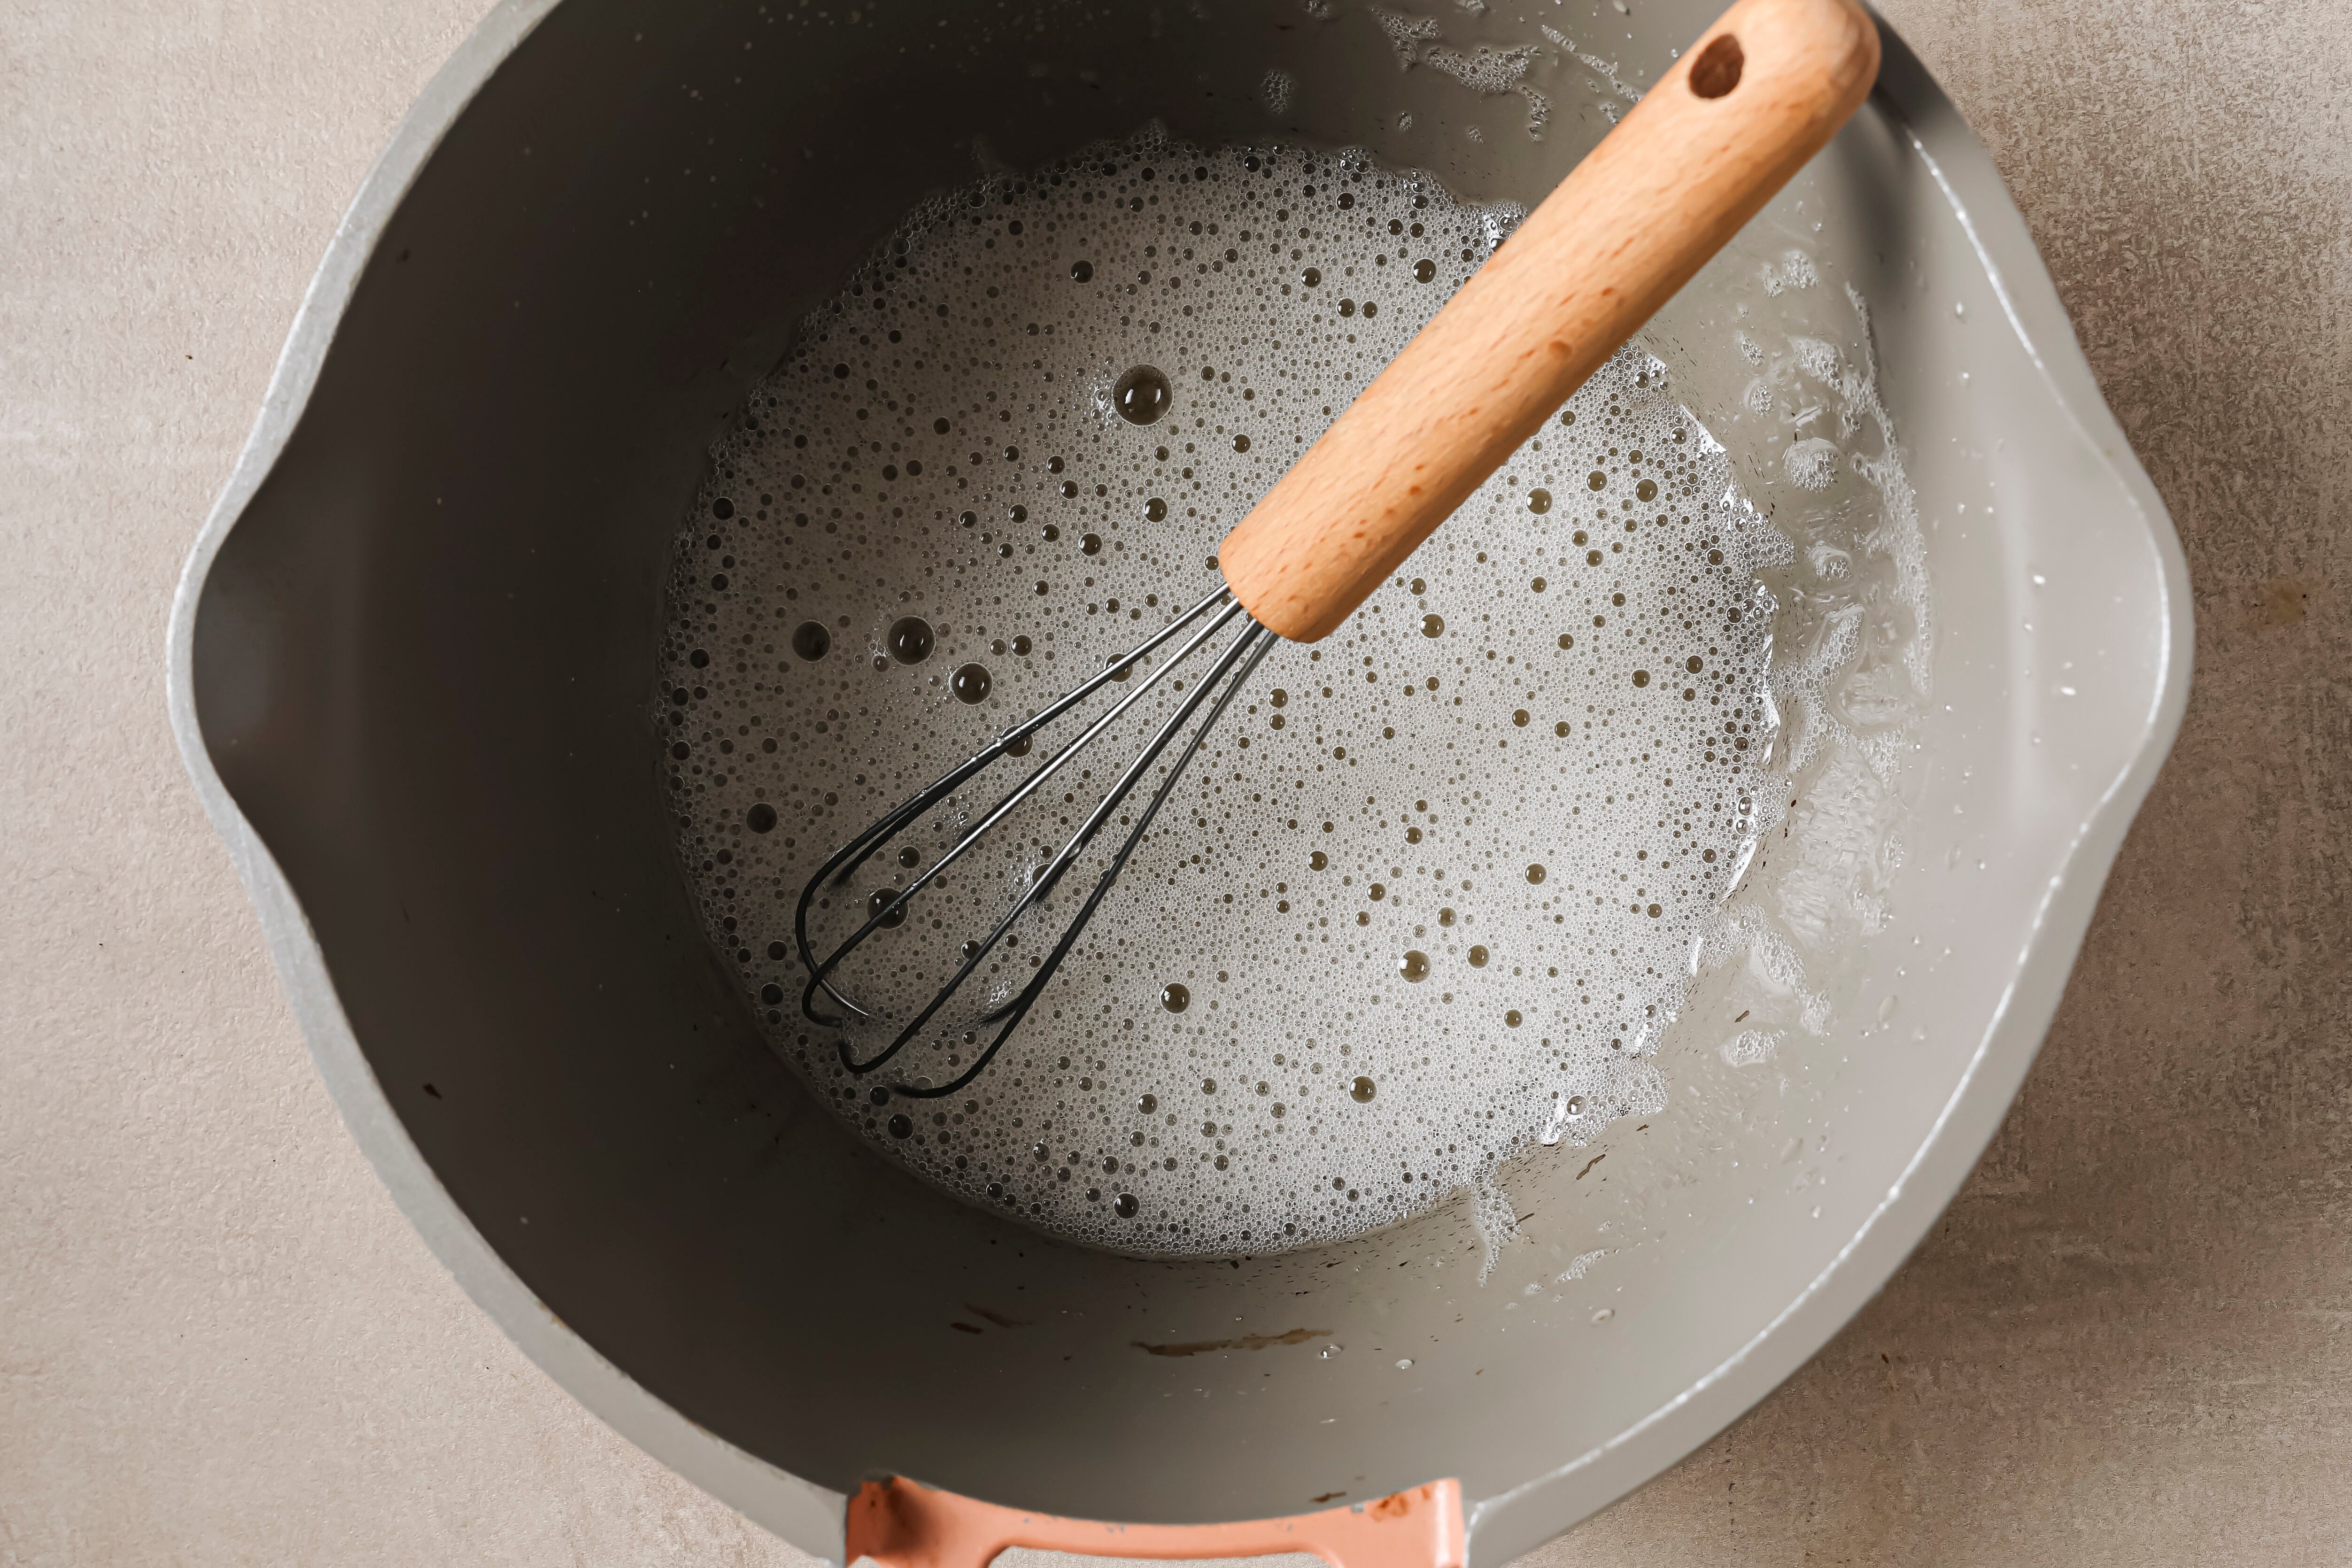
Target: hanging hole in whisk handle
point(1717, 70)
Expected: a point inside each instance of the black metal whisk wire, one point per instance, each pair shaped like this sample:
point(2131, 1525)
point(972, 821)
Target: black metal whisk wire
point(850, 856)
point(1237, 659)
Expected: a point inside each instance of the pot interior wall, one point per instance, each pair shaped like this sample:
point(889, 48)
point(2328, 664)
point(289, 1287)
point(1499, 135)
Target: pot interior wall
point(423, 669)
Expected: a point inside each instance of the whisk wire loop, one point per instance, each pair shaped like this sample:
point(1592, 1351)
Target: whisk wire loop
point(845, 860)
point(1243, 653)
point(1247, 649)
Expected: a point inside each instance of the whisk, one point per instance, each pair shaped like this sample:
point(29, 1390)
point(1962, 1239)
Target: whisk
point(1758, 94)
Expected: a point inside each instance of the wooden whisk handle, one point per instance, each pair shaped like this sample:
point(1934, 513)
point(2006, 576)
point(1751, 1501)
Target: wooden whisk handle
point(1761, 92)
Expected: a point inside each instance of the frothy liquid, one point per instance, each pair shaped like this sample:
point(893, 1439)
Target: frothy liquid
point(1428, 895)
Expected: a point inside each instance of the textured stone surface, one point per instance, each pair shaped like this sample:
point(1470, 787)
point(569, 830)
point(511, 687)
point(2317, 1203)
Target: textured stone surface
point(2129, 1342)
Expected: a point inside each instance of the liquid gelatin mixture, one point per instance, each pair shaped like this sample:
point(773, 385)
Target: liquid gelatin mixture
point(1431, 891)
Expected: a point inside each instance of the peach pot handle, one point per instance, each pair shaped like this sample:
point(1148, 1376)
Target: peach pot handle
point(902, 1524)
point(1759, 93)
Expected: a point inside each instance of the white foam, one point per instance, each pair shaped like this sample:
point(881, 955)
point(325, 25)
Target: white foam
point(1851, 673)
point(1428, 775)
point(1811, 463)
point(1406, 33)
point(1485, 69)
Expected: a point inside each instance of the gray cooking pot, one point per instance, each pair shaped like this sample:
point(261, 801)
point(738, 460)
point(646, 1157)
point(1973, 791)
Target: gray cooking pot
point(410, 672)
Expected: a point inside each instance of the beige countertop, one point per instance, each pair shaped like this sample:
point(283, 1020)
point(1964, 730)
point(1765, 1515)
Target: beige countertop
point(2129, 1342)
